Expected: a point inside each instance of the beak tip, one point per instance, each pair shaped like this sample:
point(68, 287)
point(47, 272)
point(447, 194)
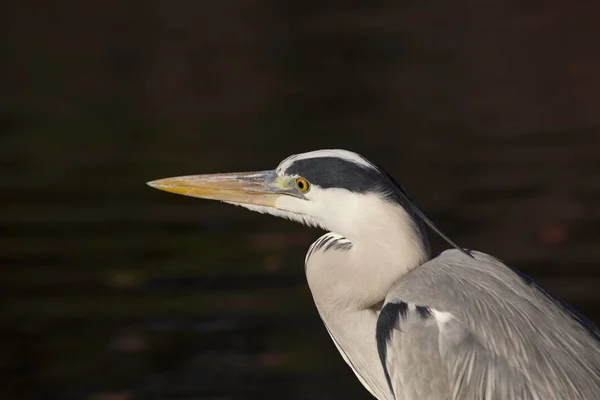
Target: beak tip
point(154, 184)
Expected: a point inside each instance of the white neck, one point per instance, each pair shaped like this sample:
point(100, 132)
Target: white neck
point(349, 285)
point(386, 244)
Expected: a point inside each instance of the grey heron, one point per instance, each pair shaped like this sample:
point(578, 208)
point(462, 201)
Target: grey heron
point(461, 325)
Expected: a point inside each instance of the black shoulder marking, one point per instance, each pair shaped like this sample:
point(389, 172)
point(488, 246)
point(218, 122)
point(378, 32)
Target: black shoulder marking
point(423, 312)
point(386, 322)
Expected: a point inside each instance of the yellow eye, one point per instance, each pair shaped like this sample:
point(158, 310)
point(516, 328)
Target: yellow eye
point(302, 185)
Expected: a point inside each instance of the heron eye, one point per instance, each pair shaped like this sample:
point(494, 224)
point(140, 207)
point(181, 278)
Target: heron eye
point(302, 185)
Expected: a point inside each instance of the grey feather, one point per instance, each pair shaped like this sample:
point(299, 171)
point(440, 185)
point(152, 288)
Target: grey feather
point(501, 342)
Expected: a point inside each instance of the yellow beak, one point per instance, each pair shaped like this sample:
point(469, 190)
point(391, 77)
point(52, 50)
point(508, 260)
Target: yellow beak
point(254, 188)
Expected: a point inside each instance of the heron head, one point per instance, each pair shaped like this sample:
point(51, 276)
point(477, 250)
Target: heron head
point(331, 189)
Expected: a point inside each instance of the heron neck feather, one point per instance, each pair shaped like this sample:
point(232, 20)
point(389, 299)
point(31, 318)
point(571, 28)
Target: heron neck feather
point(386, 244)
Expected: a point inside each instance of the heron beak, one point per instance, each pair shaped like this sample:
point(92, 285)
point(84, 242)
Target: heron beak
point(254, 188)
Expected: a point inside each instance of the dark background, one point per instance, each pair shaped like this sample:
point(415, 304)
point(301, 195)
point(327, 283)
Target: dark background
point(486, 111)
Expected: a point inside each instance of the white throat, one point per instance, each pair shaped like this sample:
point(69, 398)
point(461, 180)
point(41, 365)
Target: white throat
point(386, 243)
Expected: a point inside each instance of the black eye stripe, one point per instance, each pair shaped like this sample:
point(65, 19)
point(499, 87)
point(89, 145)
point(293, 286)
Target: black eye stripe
point(332, 172)
point(335, 172)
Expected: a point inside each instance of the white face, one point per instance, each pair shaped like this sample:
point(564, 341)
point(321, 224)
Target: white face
point(331, 209)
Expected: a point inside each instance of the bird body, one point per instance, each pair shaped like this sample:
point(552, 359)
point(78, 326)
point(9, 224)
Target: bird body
point(460, 326)
point(495, 334)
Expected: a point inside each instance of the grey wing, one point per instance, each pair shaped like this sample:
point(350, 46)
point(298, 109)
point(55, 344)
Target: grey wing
point(472, 328)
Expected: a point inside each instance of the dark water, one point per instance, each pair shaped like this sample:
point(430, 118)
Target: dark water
point(486, 112)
